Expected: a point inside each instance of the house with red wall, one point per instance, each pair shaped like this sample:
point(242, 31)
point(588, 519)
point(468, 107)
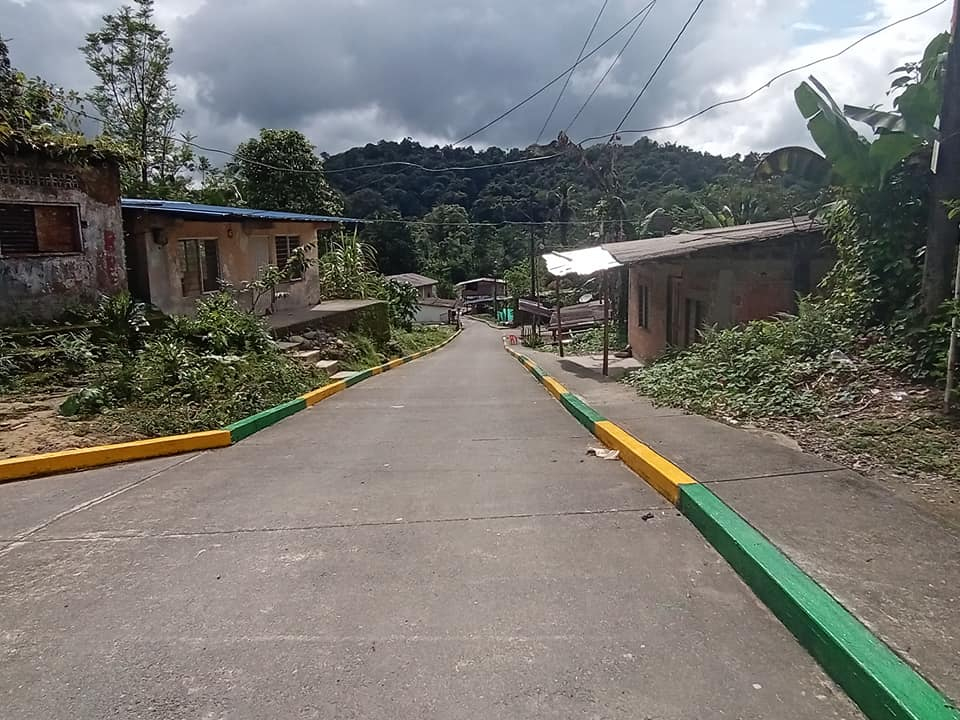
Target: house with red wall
point(679, 284)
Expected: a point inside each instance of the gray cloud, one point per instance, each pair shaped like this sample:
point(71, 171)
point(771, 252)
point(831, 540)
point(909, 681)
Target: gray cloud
point(354, 71)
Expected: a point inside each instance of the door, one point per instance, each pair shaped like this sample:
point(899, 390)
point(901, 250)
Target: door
point(138, 275)
point(675, 314)
point(259, 254)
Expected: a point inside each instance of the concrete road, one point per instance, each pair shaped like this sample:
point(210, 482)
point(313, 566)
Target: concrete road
point(432, 543)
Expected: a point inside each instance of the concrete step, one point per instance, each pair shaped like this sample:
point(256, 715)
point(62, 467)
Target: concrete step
point(330, 367)
point(307, 356)
point(343, 375)
point(288, 346)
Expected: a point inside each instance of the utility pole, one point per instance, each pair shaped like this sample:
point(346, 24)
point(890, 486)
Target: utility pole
point(533, 283)
point(942, 232)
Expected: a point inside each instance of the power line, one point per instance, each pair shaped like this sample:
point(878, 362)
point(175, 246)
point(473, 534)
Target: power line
point(603, 136)
point(610, 69)
point(659, 65)
point(772, 80)
point(570, 74)
point(546, 87)
point(324, 171)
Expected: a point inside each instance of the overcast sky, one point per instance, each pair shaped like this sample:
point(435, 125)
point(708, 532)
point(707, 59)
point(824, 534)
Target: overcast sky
point(349, 72)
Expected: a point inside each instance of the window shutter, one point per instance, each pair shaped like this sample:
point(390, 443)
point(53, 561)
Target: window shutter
point(57, 229)
point(18, 230)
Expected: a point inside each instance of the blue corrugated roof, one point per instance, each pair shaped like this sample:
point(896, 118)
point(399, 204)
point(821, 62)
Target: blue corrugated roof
point(187, 209)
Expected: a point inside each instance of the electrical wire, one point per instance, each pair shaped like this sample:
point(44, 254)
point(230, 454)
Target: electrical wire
point(559, 77)
point(324, 171)
point(552, 156)
point(769, 82)
point(570, 74)
point(610, 68)
point(656, 70)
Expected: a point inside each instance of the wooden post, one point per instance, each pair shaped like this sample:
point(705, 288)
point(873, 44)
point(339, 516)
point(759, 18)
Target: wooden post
point(559, 321)
point(605, 281)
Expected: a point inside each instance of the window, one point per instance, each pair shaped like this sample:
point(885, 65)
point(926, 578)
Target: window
point(39, 229)
point(201, 266)
point(643, 306)
point(285, 246)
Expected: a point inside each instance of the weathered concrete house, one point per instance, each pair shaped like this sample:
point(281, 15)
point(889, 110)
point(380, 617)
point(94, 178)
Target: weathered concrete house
point(177, 251)
point(61, 238)
point(723, 277)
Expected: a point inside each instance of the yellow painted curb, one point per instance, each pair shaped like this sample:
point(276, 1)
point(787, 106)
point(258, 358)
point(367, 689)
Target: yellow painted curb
point(665, 477)
point(395, 363)
point(315, 396)
point(57, 462)
point(555, 388)
point(376, 369)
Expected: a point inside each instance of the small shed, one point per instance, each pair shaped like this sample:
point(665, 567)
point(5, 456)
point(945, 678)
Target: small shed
point(426, 287)
point(722, 276)
point(438, 311)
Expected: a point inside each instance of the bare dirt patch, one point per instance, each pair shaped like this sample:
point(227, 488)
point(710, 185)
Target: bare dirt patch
point(30, 424)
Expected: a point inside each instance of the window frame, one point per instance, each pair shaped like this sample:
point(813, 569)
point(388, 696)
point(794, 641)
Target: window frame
point(79, 244)
point(643, 305)
point(201, 259)
point(276, 255)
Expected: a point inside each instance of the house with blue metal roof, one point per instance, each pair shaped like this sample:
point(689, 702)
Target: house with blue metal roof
point(177, 251)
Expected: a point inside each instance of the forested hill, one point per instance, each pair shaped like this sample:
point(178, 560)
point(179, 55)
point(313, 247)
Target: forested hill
point(694, 189)
point(651, 175)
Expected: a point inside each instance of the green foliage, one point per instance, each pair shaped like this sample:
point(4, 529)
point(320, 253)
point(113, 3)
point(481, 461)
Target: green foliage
point(420, 338)
point(31, 104)
point(262, 186)
point(763, 368)
point(347, 269)
point(122, 321)
point(75, 351)
point(199, 372)
point(534, 342)
point(858, 162)
point(402, 302)
point(444, 244)
point(131, 57)
point(221, 327)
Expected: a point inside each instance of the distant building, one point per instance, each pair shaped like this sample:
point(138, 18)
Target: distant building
point(177, 251)
point(724, 277)
point(426, 287)
point(438, 311)
point(479, 293)
point(61, 236)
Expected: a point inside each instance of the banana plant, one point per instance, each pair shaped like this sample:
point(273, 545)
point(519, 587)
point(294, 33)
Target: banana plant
point(849, 157)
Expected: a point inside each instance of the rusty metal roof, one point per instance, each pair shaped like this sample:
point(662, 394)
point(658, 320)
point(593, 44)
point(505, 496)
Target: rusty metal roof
point(633, 251)
point(413, 279)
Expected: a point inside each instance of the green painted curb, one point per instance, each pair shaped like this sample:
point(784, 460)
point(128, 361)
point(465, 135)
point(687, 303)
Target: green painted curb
point(248, 426)
point(875, 678)
point(359, 377)
point(584, 414)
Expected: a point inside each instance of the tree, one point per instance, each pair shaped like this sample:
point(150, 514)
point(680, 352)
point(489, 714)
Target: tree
point(31, 103)
point(443, 245)
point(393, 242)
point(131, 58)
point(280, 170)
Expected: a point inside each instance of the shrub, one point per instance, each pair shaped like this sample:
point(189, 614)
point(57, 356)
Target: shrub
point(222, 327)
point(763, 368)
point(122, 321)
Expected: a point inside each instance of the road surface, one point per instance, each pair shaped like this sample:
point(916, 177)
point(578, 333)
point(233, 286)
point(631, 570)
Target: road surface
point(431, 543)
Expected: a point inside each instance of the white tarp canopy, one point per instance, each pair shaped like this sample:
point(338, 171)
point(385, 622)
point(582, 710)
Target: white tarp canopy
point(579, 262)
